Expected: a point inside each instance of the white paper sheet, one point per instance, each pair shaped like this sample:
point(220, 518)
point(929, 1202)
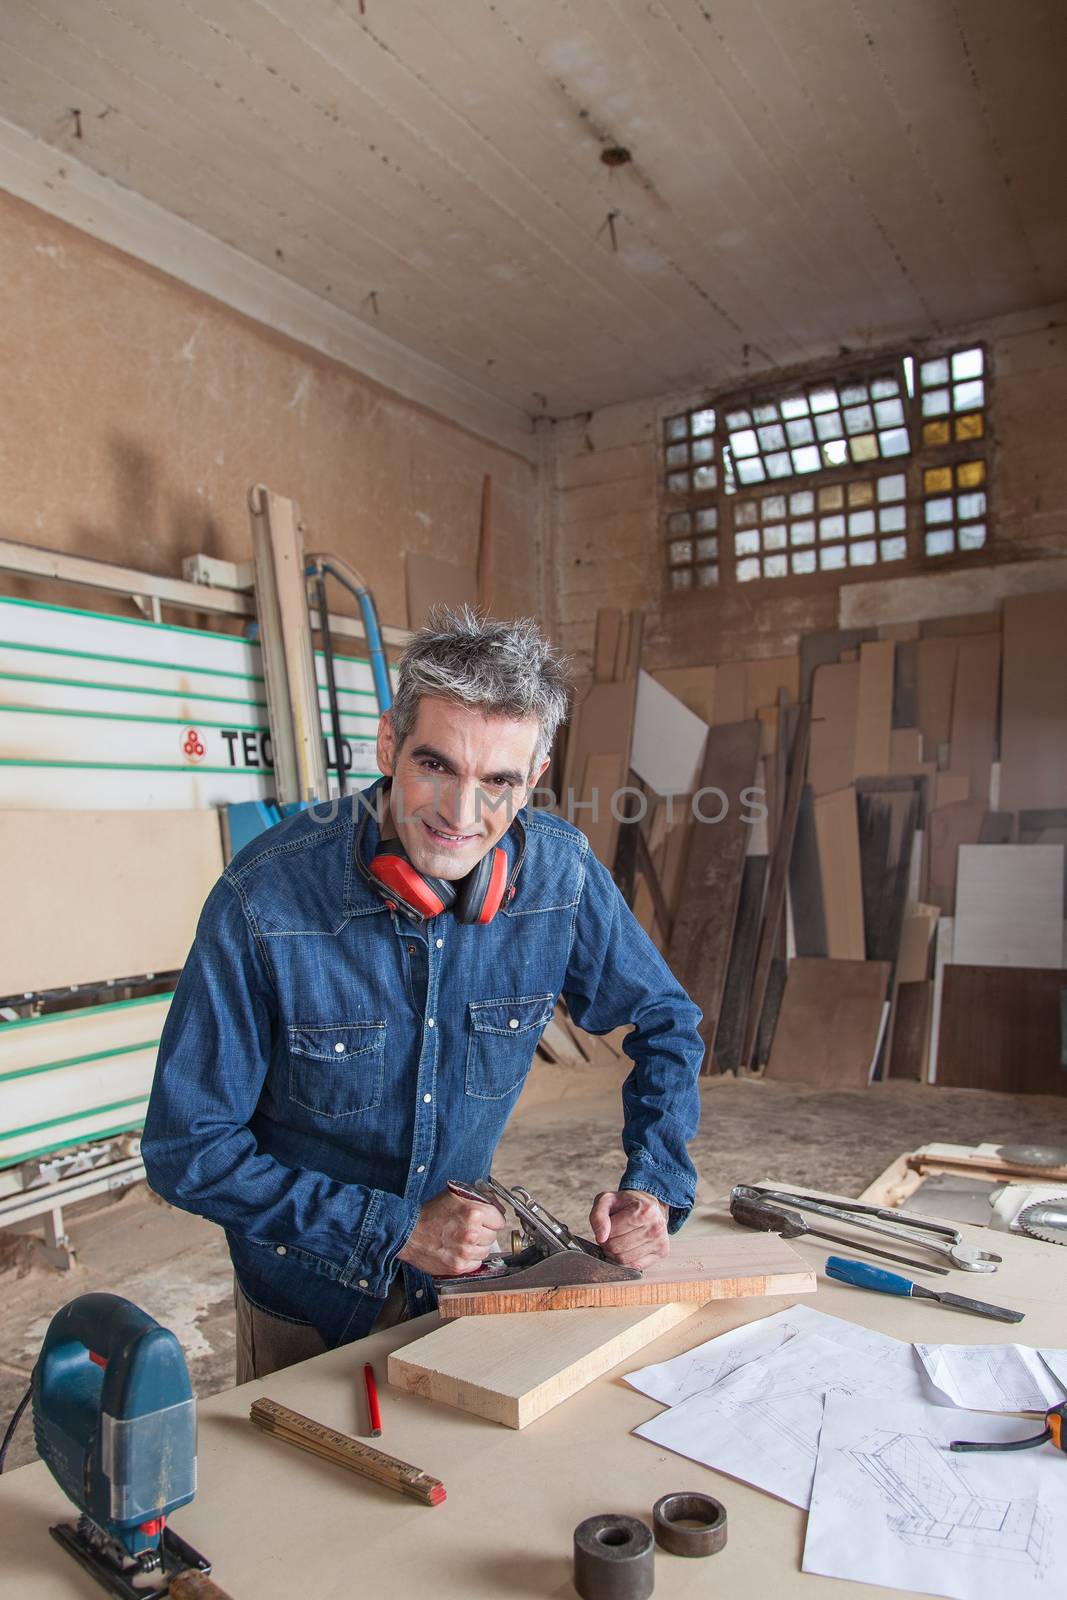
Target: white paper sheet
point(995, 1377)
point(762, 1423)
point(892, 1505)
point(707, 1364)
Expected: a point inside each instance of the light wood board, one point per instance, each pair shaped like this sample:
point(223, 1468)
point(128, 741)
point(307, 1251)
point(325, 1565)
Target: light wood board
point(874, 710)
point(835, 697)
point(1009, 905)
point(837, 833)
point(1034, 716)
point(830, 1022)
point(131, 884)
point(719, 1269)
point(514, 1369)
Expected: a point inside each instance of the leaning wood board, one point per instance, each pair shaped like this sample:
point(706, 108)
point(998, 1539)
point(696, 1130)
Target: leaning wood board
point(515, 1369)
point(709, 1269)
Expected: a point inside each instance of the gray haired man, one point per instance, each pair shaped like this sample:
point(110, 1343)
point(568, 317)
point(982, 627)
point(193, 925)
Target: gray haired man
point(360, 1009)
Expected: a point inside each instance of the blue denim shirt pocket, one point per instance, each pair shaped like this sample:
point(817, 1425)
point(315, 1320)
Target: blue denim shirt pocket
point(337, 1069)
point(504, 1035)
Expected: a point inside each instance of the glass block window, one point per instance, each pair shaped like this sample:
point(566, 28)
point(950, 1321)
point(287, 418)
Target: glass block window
point(691, 466)
point(857, 522)
point(954, 508)
point(952, 397)
point(820, 426)
point(690, 452)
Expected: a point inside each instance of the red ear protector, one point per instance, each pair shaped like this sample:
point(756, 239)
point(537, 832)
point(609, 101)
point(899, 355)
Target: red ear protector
point(475, 898)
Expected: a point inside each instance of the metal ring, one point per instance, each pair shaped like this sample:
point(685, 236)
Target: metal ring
point(613, 1558)
point(672, 1511)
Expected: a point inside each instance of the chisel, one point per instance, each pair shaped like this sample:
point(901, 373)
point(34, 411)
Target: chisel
point(865, 1277)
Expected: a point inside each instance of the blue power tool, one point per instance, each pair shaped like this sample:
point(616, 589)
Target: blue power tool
point(114, 1419)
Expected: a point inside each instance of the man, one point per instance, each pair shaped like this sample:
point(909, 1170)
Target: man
point(341, 1043)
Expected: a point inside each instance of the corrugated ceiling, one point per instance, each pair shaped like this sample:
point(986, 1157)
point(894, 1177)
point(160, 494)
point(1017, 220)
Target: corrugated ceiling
point(804, 173)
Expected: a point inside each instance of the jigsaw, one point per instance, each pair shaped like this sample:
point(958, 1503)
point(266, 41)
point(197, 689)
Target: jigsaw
point(114, 1420)
point(545, 1254)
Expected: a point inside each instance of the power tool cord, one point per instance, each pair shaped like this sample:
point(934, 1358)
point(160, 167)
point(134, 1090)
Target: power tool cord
point(12, 1425)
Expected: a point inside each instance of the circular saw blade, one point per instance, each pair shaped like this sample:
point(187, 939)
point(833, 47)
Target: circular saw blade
point(1033, 1155)
point(1045, 1219)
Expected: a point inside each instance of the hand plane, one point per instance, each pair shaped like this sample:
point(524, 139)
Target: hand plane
point(545, 1254)
point(114, 1420)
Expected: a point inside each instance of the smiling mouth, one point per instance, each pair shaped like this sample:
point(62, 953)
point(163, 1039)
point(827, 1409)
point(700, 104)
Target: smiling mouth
point(449, 838)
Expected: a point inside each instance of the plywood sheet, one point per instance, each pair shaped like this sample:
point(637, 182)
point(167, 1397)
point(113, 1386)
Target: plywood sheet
point(805, 883)
point(837, 835)
point(948, 828)
point(431, 581)
point(515, 1370)
point(603, 777)
point(693, 686)
point(874, 710)
point(916, 940)
point(975, 702)
point(1033, 751)
point(1009, 905)
point(830, 1022)
point(911, 1031)
point(937, 680)
point(699, 950)
point(887, 822)
point(824, 649)
point(905, 750)
point(133, 884)
point(835, 699)
point(668, 739)
point(729, 1035)
point(698, 1270)
point(1000, 1029)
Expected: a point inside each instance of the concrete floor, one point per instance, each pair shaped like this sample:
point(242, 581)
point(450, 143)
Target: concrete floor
point(177, 1268)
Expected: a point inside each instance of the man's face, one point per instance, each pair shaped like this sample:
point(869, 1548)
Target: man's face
point(458, 780)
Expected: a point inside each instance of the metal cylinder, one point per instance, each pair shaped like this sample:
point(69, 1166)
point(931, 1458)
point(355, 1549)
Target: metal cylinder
point(613, 1558)
point(690, 1524)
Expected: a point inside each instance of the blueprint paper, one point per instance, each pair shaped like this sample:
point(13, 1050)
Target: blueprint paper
point(893, 1505)
point(707, 1364)
point(995, 1377)
point(762, 1423)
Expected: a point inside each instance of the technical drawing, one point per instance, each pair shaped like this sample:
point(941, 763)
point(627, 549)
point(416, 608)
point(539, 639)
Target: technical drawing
point(939, 1509)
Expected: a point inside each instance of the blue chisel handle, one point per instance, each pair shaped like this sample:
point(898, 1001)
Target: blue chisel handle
point(865, 1277)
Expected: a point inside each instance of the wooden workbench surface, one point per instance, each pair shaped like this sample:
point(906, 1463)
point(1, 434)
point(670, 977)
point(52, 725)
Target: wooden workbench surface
point(279, 1524)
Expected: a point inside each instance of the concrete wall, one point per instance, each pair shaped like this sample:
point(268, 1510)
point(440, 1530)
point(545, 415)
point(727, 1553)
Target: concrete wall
point(135, 412)
point(608, 543)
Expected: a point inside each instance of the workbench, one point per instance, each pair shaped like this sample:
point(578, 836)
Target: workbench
point(278, 1523)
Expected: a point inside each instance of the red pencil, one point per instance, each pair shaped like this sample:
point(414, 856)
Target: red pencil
point(372, 1401)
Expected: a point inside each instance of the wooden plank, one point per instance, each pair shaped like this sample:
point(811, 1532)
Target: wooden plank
point(1009, 905)
point(693, 686)
point(434, 582)
point(825, 649)
point(702, 1270)
point(937, 679)
point(905, 682)
point(133, 884)
point(911, 1034)
point(1000, 1029)
point(1033, 750)
point(777, 882)
point(603, 777)
point(874, 709)
point(950, 788)
point(730, 1034)
point(974, 712)
point(835, 698)
point(530, 1364)
point(916, 940)
point(837, 833)
point(905, 750)
point(830, 1022)
point(699, 950)
point(805, 883)
point(606, 641)
point(949, 827)
point(650, 876)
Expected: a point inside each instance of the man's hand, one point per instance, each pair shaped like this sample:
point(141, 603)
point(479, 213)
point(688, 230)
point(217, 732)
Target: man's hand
point(452, 1235)
point(630, 1227)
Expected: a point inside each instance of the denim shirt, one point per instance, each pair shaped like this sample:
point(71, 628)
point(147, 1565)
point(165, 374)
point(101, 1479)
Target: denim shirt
point(326, 1067)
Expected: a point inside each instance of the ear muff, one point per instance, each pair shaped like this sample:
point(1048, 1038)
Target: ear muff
point(412, 890)
point(481, 892)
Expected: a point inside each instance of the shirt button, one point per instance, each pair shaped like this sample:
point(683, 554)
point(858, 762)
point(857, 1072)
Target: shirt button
point(419, 1293)
point(427, 1098)
point(279, 1250)
point(440, 944)
point(420, 1169)
point(429, 1022)
point(411, 949)
point(513, 1022)
point(363, 1284)
point(339, 1045)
